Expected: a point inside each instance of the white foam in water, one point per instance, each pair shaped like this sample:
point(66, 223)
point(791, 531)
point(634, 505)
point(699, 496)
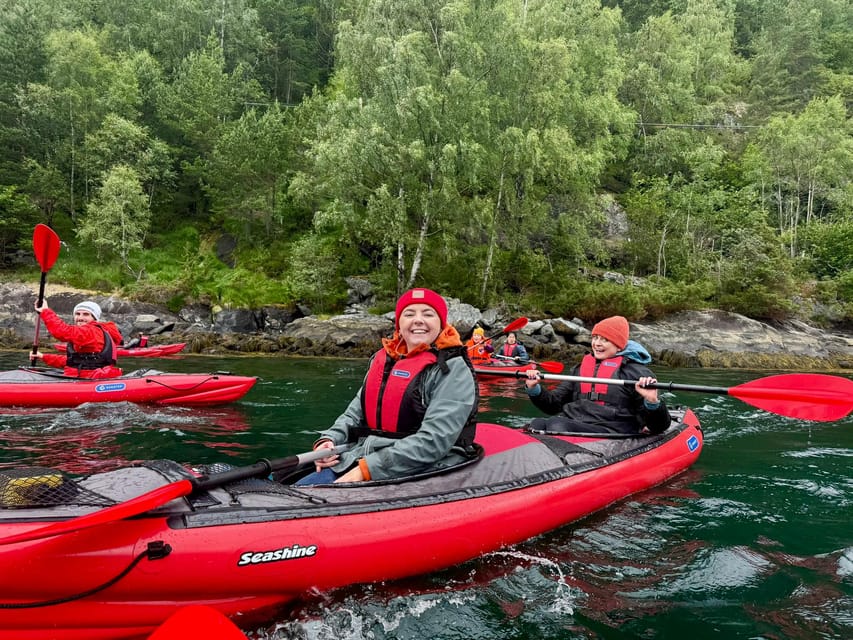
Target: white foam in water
point(845, 563)
point(563, 600)
point(819, 452)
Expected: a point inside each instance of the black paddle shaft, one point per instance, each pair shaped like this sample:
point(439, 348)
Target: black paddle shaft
point(262, 468)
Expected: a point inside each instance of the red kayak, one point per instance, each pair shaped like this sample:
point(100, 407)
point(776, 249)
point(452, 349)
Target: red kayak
point(29, 387)
point(249, 547)
point(151, 351)
point(484, 369)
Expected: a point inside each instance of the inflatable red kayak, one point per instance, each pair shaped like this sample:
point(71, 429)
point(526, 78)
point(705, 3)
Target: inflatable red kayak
point(29, 387)
point(484, 369)
point(249, 547)
point(152, 351)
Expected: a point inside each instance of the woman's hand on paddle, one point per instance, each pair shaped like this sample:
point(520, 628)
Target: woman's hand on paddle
point(533, 377)
point(41, 308)
point(330, 461)
point(650, 395)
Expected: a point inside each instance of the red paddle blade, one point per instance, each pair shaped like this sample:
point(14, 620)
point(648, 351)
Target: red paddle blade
point(550, 366)
point(805, 396)
point(45, 246)
point(515, 325)
point(140, 504)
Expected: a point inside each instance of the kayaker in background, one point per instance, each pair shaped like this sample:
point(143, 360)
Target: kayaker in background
point(603, 408)
point(416, 410)
point(137, 342)
point(91, 351)
point(479, 347)
point(514, 349)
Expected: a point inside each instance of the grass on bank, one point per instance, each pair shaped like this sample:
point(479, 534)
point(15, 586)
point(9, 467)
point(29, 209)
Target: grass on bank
point(182, 266)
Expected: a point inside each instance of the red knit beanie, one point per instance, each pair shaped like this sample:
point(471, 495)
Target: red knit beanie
point(421, 296)
point(615, 329)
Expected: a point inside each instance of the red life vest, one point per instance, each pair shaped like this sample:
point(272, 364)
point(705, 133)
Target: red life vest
point(391, 400)
point(508, 349)
point(594, 368)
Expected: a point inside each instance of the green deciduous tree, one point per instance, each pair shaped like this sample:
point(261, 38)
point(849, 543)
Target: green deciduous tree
point(248, 172)
point(121, 142)
point(204, 96)
point(452, 119)
point(18, 216)
point(82, 85)
point(800, 161)
point(118, 218)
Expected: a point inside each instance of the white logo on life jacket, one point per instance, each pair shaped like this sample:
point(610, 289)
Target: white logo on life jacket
point(401, 374)
point(276, 555)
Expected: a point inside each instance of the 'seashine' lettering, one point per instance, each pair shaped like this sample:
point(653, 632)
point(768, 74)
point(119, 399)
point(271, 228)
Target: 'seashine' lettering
point(276, 555)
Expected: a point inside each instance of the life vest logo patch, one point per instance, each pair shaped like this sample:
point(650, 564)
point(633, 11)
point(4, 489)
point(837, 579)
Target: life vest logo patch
point(401, 374)
point(110, 386)
point(692, 443)
point(610, 364)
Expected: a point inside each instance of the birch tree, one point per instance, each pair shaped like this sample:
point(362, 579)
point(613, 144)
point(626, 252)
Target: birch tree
point(118, 218)
point(449, 118)
point(801, 161)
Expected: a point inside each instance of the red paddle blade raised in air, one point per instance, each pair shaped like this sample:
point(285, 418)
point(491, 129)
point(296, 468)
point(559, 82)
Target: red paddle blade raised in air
point(806, 396)
point(515, 325)
point(45, 246)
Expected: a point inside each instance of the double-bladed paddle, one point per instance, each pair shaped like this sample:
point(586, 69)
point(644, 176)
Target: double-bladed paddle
point(162, 495)
point(46, 248)
point(805, 396)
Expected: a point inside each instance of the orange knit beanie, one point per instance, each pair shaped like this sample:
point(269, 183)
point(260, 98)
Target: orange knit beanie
point(615, 329)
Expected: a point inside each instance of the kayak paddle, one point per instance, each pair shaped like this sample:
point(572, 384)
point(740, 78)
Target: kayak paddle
point(198, 621)
point(46, 248)
point(165, 494)
point(805, 396)
point(549, 365)
point(515, 325)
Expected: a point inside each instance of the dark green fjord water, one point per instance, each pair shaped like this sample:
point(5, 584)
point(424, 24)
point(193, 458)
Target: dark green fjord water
point(754, 541)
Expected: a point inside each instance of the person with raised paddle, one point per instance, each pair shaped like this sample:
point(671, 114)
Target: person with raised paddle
point(513, 349)
point(479, 347)
point(416, 410)
point(91, 343)
point(603, 408)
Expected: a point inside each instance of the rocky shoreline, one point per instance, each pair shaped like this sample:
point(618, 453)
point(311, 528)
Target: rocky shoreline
point(711, 338)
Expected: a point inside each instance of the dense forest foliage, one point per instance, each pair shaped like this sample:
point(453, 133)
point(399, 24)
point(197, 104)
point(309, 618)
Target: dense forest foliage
point(568, 157)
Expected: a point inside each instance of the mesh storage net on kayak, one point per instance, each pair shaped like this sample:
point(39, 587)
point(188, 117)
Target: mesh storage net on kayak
point(43, 487)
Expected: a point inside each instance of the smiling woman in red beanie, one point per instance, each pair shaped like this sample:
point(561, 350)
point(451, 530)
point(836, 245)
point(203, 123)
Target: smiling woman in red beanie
point(417, 408)
point(603, 408)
